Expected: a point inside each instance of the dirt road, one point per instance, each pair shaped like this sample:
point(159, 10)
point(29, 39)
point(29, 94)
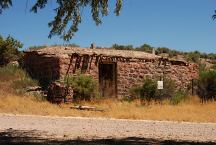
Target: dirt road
point(69, 128)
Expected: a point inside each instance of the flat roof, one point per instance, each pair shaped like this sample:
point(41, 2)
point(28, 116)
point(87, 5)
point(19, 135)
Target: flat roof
point(59, 50)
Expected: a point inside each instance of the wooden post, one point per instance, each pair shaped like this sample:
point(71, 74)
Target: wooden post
point(192, 83)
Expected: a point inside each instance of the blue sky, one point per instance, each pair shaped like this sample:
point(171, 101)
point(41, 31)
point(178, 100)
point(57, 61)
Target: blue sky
point(184, 25)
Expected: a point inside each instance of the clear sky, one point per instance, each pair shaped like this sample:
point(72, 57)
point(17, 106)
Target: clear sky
point(184, 25)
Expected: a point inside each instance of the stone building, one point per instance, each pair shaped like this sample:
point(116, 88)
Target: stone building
point(116, 71)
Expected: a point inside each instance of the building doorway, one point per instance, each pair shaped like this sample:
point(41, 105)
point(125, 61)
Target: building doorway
point(108, 79)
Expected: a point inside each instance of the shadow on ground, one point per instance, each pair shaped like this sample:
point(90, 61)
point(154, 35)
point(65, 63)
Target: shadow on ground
point(21, 137)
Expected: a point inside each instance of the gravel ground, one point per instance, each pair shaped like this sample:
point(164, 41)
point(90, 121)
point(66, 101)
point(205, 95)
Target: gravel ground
point(100, 128)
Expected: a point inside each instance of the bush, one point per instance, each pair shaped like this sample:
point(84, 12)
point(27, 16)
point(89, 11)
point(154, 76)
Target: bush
point(207, 85)
point(148, 91)
point(193, 56)
point(168, 91)
point(122, 47)
point(11, 72)
point(135, 92)
point(20, 85)
point(145, 48)
point(16, 79)
point(178, 97)
point(84, 86)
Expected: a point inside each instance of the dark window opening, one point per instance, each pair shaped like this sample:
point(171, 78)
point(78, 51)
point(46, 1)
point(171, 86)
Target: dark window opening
point(85, 64)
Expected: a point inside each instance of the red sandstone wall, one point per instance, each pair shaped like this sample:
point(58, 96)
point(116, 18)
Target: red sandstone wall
point(42, 68)
point(67, 66)
point(48, 68)
point(132, 74)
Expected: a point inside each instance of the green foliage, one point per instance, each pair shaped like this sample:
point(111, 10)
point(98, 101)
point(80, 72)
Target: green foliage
point(122, 47)
point(17, 77)
point(135, 91)
point(193, 56)
point(162, 50)
point(178, 97)
point(36, 47)
point(212, 56)
point(189, 56)
point(168, 91)
point(20, 85)
point(148, 89)
point(83, 86)
point(169, 51)
point(9, 50)
point(44, 46)
point(207, 85)
point(11, 72)
point(69, 14)
point(202, 67)
point(145, 48)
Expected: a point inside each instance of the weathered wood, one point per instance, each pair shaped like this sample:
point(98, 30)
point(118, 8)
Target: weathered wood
point(87, 108)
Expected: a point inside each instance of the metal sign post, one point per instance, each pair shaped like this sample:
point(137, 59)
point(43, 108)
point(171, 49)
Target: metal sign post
point(160, 86)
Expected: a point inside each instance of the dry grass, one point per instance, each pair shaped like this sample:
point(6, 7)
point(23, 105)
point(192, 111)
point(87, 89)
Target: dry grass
point(192, 110)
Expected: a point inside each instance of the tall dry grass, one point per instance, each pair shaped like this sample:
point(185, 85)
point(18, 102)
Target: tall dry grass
point(11, 102)
point(191, 111)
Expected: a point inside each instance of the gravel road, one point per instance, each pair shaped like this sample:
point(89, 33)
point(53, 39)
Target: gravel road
point(98, 128)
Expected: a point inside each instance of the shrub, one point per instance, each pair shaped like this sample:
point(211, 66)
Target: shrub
point(84, 86)
point(178, 97)
point(11, 72)
point(148, 91)
point(122, 47)
point(15, 79)
point(207, 85)
point(193, 56)
point(20, 85)
point(168, 91)
point(145, 48)
point(37, 47)
point(135, 91)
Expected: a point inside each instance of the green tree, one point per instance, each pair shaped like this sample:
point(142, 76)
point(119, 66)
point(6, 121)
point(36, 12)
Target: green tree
point(145, 48)
point(162, 50)
point(9, 50)
point(207, 85)
point(194, 56)
point(69, 14)
point(122, 47)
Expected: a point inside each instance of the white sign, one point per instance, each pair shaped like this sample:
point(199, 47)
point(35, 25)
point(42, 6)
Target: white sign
point(160, 85)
